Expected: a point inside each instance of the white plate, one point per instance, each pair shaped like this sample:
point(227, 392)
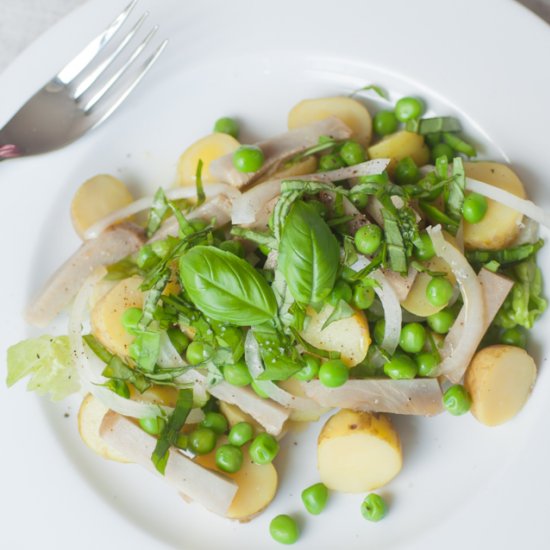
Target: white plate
point(462, 484)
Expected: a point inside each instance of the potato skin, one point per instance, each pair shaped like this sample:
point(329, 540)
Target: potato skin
point(501, 224)
point(358, 452)
point(350, 111)
point(499, 380)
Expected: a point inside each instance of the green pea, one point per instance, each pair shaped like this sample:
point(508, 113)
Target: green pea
point(333, 373)
point(427, 363)
point(320, 207)
point(146, 258)
point(412, 337)
point(182, 441)
point(360, 200)
point(179, 340)
point(229, 458)
point(227, 125)
point(202, 441)
point(457, 400)
point(332, 161)
point(401, 367)
point(474, 207)
point(442, 150)
point(352, 153)
point(385, 123)
point(374, 507)
point(248, 158)
point(284, 529)
point(406, 172)
point(153, 425)
point(315, 498)
point(439, 291)
point(196, 353)
point(216, 422)
point(442, 321)
point(310, 370)
point(240, 434)
point(514, 337)
point(363, 296)
point(263, 449)
point(424, 249)
point(130, 319)
point(408, 108)
point(379, 330)
point(368, 238)
point(237, 374)
point(119, 387)
point(341, 291)
point(235, 247)
point(258, 390)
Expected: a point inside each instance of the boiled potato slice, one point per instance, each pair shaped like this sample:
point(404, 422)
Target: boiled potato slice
point(90, 416)
point(400, 145)
point(501, 224)
point(358, 452)
point(207, 149)
point(350, 111)
point(257, 485)
point(107, 314)
point(235, 415)
point(499, 379)
point(95, 199)
point(416, 301)
point(294, 387)
point(350, 337)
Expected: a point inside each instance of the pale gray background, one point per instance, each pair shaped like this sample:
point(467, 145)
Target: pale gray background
point(21, 21)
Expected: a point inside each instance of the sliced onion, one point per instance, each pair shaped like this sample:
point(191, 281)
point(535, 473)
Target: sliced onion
point(526, 207)
point(529, 232)
point(390, 304)
point(421, 396)
point(456, 357)
point(90, 367)
point(145, 203)
point(254, 362)
point(247, 206)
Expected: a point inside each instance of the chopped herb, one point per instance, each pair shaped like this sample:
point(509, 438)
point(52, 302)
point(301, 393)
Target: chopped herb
point(378, 90)
point(201, 197)
point(158, 210)
point(172, 429)
point(394, 241)
point(258, 237)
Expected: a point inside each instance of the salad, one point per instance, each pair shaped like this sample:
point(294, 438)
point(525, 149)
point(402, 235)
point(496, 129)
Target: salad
point(352, 267)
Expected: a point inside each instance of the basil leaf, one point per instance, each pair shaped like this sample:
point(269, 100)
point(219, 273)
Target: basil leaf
point(342, 311)
point(171, 430)
point(226, 287)
point(309, 254)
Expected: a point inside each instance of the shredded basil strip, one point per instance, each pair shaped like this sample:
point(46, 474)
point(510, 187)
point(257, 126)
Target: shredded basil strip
point(457, 185)
point(435, 215)
point(439, 124)
point(201, 197)
point(459, 145)
point(255, 236)
point(342, 311)
point(506, 256)
point(158, 210)
point(378, 90)
point(169, 434)
point(394, 240)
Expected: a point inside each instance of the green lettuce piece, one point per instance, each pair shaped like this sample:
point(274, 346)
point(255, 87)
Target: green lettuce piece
point(48, 362)
point(525, 303)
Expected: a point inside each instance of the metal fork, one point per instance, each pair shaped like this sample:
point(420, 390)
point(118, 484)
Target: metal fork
point(80, 96)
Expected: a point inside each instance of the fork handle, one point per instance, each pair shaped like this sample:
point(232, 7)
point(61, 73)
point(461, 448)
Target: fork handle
point(9, 152)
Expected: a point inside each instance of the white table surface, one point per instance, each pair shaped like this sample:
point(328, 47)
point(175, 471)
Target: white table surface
point(21, 21)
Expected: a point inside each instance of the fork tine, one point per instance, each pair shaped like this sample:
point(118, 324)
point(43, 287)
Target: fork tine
point(81, 61)
point(123, 94)
point(109, 84)
point(96, 73)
